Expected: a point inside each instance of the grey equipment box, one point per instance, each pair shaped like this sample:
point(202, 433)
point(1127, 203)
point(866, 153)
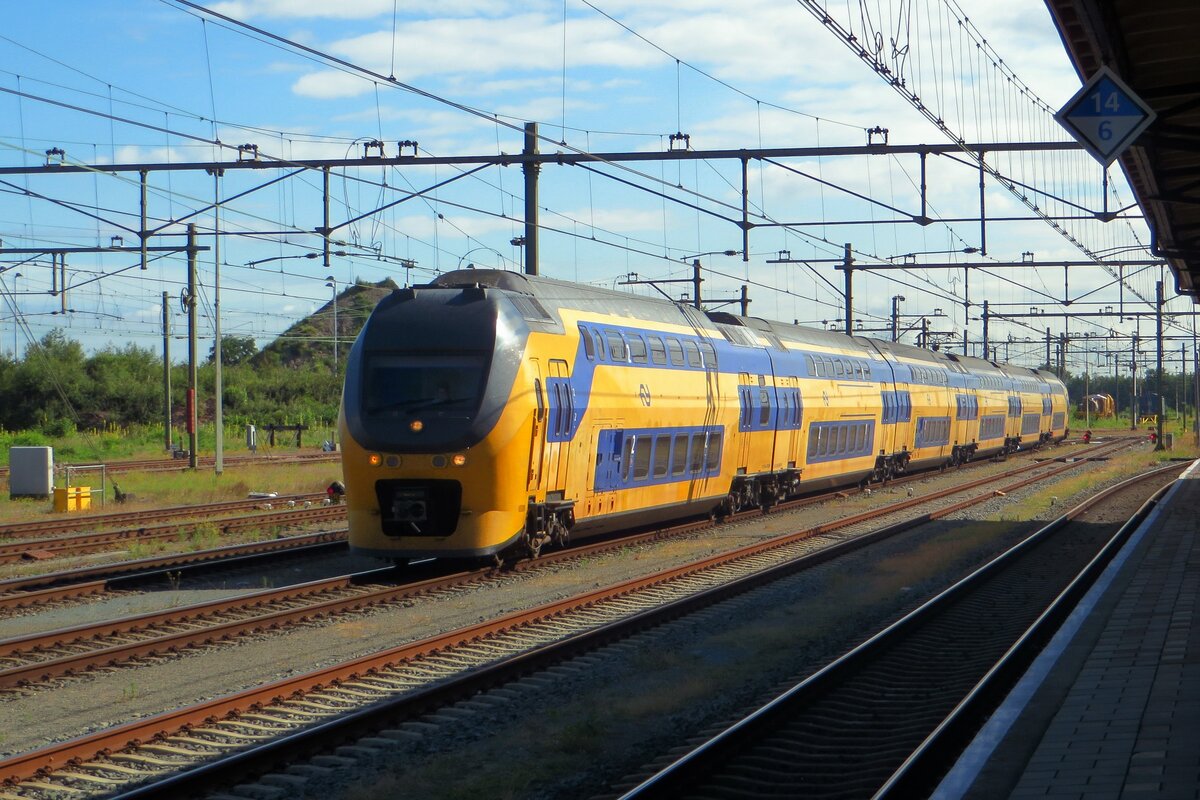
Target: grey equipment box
point(30, 472)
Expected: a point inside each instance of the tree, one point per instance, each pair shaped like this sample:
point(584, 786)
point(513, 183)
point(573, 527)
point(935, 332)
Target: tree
point(234, 350)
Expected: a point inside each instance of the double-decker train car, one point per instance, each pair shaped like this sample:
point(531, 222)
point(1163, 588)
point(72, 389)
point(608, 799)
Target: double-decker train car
point(490, 413)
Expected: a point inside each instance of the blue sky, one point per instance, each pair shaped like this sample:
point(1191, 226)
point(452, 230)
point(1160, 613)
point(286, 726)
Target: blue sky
point(604, 76)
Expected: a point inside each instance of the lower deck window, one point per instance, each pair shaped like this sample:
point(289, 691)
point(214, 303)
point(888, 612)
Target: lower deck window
point(625, 458)
point(830, 441)
point(933, 431)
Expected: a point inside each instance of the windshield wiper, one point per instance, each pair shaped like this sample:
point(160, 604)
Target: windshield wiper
point(418, 404)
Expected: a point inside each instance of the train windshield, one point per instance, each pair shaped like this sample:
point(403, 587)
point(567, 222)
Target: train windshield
point(398, 385)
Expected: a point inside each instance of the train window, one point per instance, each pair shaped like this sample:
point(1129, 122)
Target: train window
point(679, 452)
point(588, 349)
point(693, 354)
point(713, 458)
point(627, 464)
point(662, 455)
point(843, 435)
point(562, 394)
point(616, 346)
point(658, 352)
point(424, 383)
point(812, 367)
point(676, 351)
point(828, 366)
point(812, 443)
point(764, 409)
point(710, 355)
point(822, 441)
point(641, 458)
point(599, 342)
point(696, 460)
point(857, 436)
point(637, 349)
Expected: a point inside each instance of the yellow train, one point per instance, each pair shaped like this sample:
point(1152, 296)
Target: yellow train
point(490, 413)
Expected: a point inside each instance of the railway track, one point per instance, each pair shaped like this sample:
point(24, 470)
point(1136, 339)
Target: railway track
point(62, 586)
point(177, 464)
point(42, 657)
point(79, 544)
point(887, 718)
point(398, 682)
point(92, 522)
point(29, 592)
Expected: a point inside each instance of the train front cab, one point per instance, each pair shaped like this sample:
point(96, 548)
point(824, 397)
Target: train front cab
point(436, 426)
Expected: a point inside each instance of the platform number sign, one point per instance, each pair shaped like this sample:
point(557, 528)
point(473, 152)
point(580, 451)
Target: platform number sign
point(1105, 116)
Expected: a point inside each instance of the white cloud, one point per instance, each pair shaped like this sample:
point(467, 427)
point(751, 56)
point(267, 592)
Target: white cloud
point(331, 84)
point(249, 9)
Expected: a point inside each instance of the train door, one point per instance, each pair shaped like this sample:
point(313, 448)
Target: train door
point(790, 416)
point(561, 421)
point(745, 421)
point(537, 444)
point(605, 448)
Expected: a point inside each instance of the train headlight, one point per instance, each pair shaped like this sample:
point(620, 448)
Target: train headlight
point(374, 459)
point(416, 426)
point(458, 459)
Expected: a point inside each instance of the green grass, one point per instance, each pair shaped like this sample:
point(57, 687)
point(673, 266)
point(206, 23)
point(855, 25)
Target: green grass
point(1173, 423)
point(136, 442)
point(185, 487)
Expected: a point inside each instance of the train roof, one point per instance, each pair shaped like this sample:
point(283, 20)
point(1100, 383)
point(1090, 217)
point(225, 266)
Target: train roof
point(552, 294)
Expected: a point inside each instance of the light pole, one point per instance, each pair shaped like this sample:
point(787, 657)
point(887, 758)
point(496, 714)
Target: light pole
point(16, 315)
point(331, 282)
point(897, 299)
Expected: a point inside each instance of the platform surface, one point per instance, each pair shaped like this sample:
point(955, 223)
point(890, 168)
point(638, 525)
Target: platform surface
point(1111, 709)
